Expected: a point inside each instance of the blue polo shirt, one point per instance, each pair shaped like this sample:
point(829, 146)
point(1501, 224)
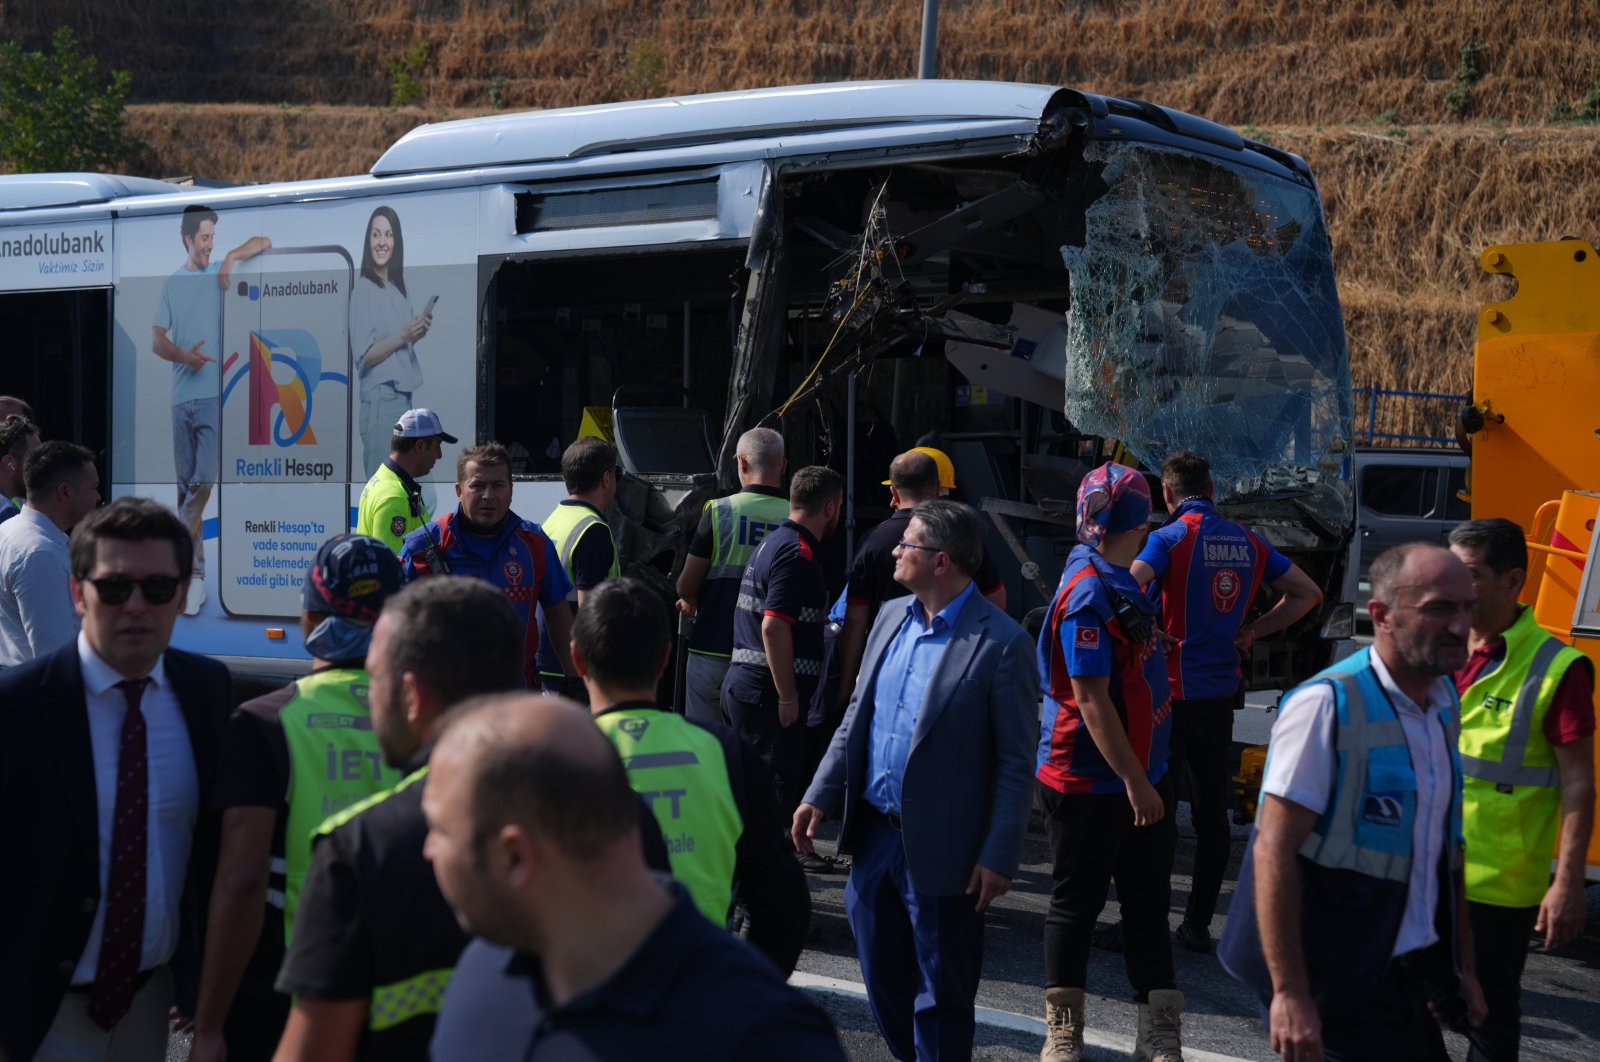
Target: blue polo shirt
point(1083, 637)
point(692, 991)
point(1207, 572)
point(900, 689)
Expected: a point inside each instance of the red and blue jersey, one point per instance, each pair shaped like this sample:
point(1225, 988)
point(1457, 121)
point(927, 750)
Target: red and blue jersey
point(518, 560)
point(1082, 637)
point(1207, 572)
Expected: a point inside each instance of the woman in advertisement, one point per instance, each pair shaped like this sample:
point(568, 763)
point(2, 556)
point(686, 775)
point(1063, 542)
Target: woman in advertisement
point(383, 332)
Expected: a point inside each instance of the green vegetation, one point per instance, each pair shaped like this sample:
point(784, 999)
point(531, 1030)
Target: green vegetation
point(1458, 97)
point(645, 69)
point(497, 91)
point(1588, 111)
point(56, 113)
point(405, 76)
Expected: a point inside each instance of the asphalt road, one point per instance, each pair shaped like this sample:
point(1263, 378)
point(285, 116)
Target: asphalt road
point(1561, 990)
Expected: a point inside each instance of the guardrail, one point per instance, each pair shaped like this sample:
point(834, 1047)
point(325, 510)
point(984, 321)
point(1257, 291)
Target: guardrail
point(1371, 436)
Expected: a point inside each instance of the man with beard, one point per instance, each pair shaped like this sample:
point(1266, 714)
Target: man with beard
point(374, 943)
point(777, 632)
point(534, 835)
point(1349, 918)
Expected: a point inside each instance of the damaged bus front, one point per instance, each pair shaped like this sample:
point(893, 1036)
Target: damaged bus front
point(1124, 280)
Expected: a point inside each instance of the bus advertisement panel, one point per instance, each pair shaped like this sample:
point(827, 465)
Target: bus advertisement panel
point(263, 357)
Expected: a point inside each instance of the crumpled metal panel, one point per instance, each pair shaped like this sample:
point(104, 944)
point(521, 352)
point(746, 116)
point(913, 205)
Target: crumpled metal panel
point(1204, 316)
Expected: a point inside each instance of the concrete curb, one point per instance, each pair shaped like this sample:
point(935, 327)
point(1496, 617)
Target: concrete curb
point(1003, 1019)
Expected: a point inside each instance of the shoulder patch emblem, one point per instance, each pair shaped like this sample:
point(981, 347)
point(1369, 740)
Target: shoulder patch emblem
point(1087, 638)
point(397, 527)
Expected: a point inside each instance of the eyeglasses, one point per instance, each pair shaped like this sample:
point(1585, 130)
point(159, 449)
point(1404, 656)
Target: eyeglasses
point(903, 544)
point(116, 589)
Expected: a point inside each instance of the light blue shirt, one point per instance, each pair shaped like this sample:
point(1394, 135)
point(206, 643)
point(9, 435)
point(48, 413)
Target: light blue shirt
point(376, 313)
point(190, 311)
point(898, 693)
point(174, 802)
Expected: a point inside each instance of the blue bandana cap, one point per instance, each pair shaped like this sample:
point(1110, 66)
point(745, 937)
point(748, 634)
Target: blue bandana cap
point(1111, 499)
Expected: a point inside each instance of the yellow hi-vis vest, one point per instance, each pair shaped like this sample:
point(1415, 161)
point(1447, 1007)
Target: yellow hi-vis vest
point(1512, 797)
point(565, 526)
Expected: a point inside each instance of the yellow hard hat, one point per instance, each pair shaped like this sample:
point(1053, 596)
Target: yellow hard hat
point(947, 471)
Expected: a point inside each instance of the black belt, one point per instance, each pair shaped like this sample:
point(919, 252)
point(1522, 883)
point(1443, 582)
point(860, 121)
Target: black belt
point(891, 817)
point(138, 982)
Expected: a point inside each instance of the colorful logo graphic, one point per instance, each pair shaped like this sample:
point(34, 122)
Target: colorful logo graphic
point(286, 351)
point(293, 399)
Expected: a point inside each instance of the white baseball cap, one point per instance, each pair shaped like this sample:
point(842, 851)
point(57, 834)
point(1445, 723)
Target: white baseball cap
point(422, 424)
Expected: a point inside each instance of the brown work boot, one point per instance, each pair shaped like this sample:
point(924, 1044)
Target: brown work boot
point(1159, 1023)
point(1063, 1017)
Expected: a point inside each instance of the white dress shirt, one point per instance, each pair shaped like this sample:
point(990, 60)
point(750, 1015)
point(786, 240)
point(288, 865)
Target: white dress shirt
point(1303, 763)
point(36, 613)
point(174, 802)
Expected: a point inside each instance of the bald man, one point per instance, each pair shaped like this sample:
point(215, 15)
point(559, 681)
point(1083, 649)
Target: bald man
point(533, 833)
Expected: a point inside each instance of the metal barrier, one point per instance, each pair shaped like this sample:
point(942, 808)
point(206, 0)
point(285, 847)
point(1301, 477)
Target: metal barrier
point(1374, 437)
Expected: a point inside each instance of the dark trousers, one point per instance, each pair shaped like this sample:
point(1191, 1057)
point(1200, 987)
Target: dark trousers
point(1202, 732)
point(753, 713)
point(921, 956)
point(1500, 947)
point(1093, 841)
point(1386, 1020)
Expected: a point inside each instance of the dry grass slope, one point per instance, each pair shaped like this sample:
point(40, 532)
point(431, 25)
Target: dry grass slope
point(1414, 189)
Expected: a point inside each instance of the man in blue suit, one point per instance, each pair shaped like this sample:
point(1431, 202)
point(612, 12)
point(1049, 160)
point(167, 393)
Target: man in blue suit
point(932, 769)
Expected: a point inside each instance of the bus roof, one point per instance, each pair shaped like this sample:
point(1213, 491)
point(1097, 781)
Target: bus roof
point(642, 125)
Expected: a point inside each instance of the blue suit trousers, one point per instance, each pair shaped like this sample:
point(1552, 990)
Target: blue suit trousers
point(921, 956)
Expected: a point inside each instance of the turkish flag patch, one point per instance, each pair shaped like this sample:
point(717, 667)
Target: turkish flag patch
point(1087, 638)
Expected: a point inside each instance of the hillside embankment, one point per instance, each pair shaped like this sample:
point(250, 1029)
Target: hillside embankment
point(1436, 128)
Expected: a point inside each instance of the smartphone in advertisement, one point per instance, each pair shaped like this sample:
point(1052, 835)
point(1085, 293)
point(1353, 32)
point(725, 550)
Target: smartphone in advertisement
point(428, 308)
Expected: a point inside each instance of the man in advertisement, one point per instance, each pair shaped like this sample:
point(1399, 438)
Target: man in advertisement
point(484, 539)
point(187, 331)
point(391, 505)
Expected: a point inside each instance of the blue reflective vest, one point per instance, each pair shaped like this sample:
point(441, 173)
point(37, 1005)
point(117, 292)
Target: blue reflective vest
point(1356, 863)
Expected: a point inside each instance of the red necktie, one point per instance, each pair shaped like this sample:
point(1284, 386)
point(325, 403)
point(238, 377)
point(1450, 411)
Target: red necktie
point(122, 942)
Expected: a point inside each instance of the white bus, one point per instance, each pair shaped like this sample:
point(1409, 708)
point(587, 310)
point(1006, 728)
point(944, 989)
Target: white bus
point(1028, 276)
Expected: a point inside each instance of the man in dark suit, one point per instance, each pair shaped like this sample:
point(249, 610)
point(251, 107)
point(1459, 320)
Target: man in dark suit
point(932, 769)
point(108, 751)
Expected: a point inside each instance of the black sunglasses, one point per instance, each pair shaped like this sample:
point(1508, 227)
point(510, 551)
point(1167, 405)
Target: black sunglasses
point(116, 589)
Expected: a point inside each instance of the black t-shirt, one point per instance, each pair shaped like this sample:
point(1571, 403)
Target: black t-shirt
point(872, 574)
point(254, 773)
point(692, 991)
point(704, 543)
point(371, 915)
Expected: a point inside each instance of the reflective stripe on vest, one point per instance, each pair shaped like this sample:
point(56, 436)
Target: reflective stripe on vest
point(756, 658)
point(1512, 796)
point(1367, 826)
point(681, 770)
point(564, 527)
point(411, 998)
point(739, 523)
point(334, 763)
point(1534, 693)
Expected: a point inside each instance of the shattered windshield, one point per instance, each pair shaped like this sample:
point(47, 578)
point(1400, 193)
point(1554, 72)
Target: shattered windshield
point(1204, 316)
